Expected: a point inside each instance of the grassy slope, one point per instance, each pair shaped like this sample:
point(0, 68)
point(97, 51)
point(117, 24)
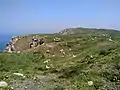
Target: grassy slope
point(97, 59)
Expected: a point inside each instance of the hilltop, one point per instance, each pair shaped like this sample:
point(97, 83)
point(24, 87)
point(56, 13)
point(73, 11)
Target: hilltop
point(73, 59)
point(90, 31)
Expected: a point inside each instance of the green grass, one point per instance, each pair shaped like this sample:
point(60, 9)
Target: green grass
point(68, 72)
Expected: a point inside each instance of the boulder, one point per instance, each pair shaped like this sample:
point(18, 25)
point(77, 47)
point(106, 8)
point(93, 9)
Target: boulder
point(90, 83)
point(56, 39)
point(3, 84)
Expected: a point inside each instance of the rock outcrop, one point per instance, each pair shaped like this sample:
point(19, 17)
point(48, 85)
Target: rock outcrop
point(11, 45)
point(35, 42)
point(3, 84)
point(67, 32)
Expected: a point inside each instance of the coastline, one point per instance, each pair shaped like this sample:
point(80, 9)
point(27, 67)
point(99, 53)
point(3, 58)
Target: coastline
point(4, 40)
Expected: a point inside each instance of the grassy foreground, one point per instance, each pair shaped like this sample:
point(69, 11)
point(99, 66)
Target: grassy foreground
point(75, 62)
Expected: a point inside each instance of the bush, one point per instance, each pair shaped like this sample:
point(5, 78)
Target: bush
point(58, 88)
point(104, 52)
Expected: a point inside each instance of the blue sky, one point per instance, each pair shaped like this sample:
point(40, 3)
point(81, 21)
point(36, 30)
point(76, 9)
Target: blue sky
point(41, 16)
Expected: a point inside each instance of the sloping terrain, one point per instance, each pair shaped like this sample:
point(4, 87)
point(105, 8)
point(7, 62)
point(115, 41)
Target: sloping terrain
point(88, 31)
point(79, 61)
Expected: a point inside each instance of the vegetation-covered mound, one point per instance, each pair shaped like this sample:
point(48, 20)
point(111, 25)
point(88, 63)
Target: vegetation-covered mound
point(79, 61)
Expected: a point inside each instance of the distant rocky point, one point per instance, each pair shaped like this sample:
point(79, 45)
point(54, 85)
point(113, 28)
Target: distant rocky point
point(80, 30)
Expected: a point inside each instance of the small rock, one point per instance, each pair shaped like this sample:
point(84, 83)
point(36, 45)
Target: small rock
point(74, 55)
point(47, 61)
point(3, 84)
point(53, 55)
point(47, 67)
point(12, 88)
point(34, 78)
point(48, 51)
point(110, 39)
point(92, 39)
point(18, 52)
point(63, 53)
point(57, 39)
point(24, 76)
point(91, 56)
point(19, 74)
point(70, 49)
point(61, 50)
point(26, 87)
point(43, 44)
point(90, 83)
point(103, 34)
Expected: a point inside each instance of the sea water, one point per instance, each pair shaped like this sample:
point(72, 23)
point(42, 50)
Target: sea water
point(4, 39)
